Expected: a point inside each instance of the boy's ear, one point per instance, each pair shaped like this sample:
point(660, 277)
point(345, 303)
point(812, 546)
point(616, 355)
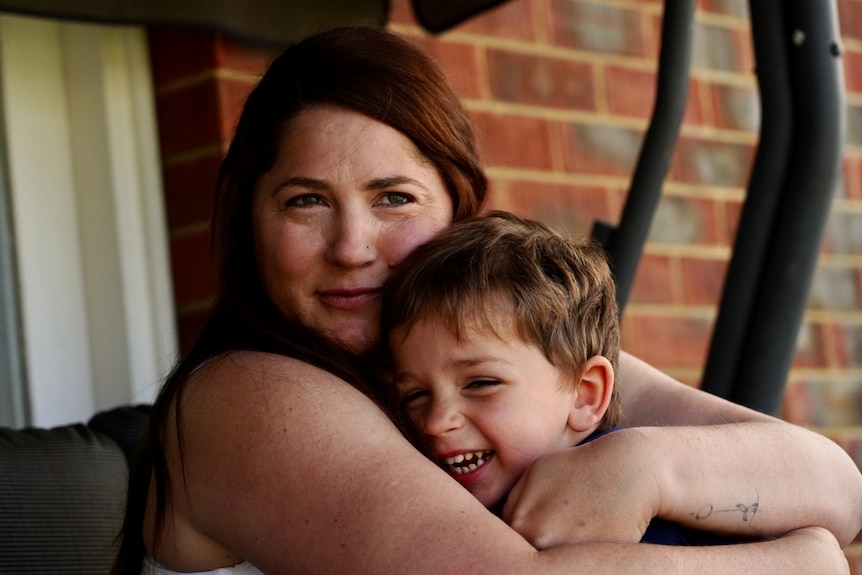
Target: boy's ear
point(593, 392)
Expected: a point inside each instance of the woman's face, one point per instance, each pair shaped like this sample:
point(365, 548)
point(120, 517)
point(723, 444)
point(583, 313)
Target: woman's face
point(348, 198)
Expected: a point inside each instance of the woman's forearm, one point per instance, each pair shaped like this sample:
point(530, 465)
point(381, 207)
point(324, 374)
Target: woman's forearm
point(809, 551)
point(791, 477)
point(651, 397)
point(754, 480)
point(758, 479)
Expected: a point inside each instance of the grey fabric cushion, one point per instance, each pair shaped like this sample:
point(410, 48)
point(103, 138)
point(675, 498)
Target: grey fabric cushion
point(62, 497)
point(124, 424)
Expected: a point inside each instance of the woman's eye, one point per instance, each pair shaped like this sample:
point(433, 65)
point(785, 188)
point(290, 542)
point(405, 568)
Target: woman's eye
point(304, 201)
point(395, 198)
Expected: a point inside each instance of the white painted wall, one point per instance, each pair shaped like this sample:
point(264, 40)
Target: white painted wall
point(91, 243)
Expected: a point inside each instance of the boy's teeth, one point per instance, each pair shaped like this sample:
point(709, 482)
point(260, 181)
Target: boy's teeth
point(466, 462)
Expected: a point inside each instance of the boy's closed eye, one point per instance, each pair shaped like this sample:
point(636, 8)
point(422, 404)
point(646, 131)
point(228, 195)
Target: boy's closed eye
point(482, 383)
point(411, 396)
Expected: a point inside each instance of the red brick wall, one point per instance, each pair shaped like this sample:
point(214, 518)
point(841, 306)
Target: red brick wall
point(561, 110)
point(560, 92)
point(201, 80)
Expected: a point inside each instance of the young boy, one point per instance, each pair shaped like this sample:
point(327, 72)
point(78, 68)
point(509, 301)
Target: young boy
point(505, 339)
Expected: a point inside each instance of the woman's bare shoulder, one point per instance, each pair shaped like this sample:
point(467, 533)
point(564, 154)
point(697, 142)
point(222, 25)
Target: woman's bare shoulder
point(258, 365)
point(257, 379)
point(294, 470)
point(263, 422)
point(246, 397)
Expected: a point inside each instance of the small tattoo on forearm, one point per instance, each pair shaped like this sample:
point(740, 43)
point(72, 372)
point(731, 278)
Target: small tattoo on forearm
point(748, 511)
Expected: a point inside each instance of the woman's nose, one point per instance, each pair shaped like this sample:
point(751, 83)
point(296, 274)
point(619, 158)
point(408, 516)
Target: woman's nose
point(442, 416)
point(353, 241)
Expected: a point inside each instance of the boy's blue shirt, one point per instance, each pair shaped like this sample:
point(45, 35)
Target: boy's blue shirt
point(663, 532)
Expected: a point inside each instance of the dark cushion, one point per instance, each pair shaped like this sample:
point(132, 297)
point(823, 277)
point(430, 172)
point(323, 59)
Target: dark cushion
point(62, 496)
point(124, 424)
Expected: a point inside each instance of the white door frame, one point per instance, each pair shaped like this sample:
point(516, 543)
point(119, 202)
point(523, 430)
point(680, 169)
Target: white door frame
point(93, 267)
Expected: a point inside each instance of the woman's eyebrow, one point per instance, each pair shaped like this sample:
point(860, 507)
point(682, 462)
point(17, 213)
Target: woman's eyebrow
point(375, 184)
point(391, 181)
point(301, 182)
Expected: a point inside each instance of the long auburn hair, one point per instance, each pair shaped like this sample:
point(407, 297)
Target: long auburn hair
point(363, 69)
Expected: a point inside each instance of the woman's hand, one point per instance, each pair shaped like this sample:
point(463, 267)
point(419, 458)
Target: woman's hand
point(600, 491)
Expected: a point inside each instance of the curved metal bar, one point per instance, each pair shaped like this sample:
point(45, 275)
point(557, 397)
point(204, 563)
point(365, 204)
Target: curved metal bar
point(624, 244)
point(816, 75)
point(765, 187)
point(437, 17)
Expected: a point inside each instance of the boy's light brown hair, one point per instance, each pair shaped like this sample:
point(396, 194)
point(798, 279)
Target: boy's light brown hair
point(561, 291)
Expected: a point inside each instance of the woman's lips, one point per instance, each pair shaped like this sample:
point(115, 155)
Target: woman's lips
point(349, 298)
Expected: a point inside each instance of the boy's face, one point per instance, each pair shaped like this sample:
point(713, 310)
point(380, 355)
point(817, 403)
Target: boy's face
point(490, 402)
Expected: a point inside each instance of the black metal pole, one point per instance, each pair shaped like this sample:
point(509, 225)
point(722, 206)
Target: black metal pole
point(765, 186)
point(624, 244)
point(811, 28)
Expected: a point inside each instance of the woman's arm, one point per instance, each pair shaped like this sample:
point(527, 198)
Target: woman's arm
point(651, 397)
point(810, 550)
point(744, 479)
point(295, 471)
point(758, 477)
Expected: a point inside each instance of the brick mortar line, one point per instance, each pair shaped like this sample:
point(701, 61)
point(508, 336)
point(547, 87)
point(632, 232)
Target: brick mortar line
point(826, 376)
point(852, 43)
point(185, 230)
point(509, 174)
point(683, 373)
point(629, 4)
point(670, 188)
point(676, 189)
point(499, 107)
point(205, 76)
point(724, 20)
point(741, 78)
point(845, 432)
point(691, 251)
point(688, 311)
point(195, 306)
point(557, 114)
point(722, 77)
point(213, 150)
point(572, 54)
point(675, 311)
point(727, 21)
point(833, 260)
point(847, 205)
point(833, 316)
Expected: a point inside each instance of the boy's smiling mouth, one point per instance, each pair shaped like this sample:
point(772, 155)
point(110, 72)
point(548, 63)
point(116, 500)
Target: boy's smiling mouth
point(467, 462)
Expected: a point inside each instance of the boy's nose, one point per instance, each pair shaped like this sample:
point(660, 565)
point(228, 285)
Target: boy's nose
point(442, 417)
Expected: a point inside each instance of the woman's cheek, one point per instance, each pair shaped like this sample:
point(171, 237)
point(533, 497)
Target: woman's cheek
point(408, 236)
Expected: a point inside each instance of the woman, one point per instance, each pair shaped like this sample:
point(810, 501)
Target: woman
point(267, 449)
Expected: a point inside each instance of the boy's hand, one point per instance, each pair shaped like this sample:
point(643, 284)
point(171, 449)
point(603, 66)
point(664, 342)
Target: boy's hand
point(595, 492)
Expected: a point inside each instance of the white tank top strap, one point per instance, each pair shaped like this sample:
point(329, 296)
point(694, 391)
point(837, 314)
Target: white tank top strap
point(151, 567)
